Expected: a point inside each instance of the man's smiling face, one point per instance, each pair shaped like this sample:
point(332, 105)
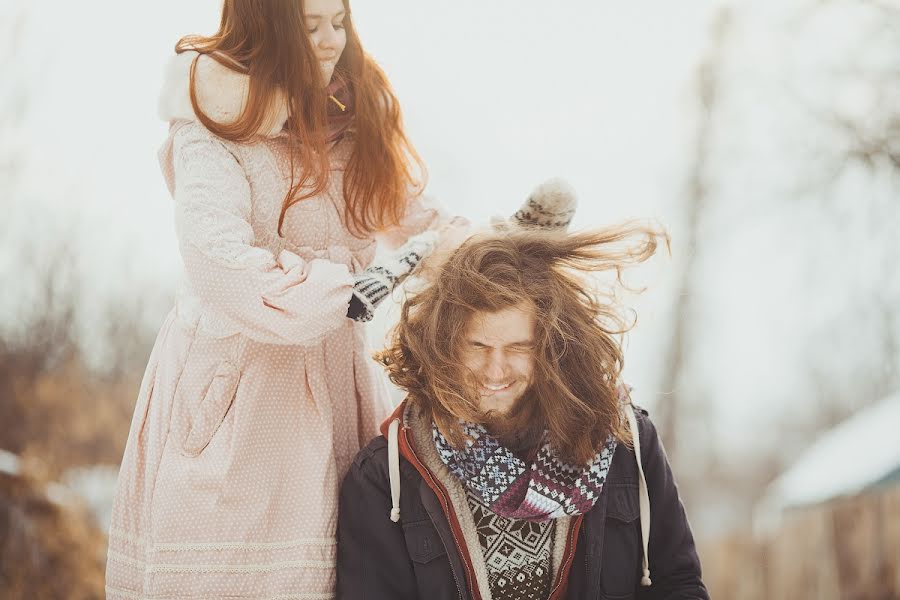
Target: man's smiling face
point(498, 350)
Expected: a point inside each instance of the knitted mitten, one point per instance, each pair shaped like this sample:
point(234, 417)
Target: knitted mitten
point(387, 272)
point(550, 206)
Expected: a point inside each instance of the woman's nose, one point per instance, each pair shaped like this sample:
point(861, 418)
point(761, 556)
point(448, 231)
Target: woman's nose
point(329, 38)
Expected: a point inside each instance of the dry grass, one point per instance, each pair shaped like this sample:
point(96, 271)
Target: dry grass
point(47, 551)
point(65, 417)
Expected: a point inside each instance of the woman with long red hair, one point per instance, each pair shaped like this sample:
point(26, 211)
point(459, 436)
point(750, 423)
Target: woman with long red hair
point(286, 158)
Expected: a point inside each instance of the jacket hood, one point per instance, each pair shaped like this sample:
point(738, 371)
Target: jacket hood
point(221, 92)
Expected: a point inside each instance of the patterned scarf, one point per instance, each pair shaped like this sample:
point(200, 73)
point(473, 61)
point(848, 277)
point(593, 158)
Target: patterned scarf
point(547, 488)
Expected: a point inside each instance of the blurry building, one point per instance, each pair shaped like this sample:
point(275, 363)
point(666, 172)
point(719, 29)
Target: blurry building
point(858, 455)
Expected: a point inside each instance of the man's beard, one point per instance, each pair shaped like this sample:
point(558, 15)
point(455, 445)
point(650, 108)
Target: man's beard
point(520, 429)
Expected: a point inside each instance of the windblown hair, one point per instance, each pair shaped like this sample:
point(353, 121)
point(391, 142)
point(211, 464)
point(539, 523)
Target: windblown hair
point(574, 393)
point(269, 39)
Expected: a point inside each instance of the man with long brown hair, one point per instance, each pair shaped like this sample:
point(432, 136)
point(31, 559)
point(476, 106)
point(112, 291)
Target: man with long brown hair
point(517, 467)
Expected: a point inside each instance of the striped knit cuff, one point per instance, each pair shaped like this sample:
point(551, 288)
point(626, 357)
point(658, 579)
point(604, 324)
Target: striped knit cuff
point(369, 289)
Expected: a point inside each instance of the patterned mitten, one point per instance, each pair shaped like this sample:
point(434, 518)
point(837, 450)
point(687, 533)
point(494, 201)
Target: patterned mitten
point(550, 206)
point(387, 272)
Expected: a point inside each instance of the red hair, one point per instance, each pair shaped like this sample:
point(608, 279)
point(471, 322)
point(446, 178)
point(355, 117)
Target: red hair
point(270, 39)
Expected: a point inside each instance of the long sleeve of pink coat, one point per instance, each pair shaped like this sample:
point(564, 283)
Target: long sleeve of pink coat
point(276, 300)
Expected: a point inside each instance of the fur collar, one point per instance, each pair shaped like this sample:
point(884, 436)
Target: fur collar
point(221, 93)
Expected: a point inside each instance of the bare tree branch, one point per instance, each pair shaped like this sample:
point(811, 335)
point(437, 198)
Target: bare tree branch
point(697, 199)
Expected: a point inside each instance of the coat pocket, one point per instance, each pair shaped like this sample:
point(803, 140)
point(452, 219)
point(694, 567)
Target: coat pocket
point(205, 417)
point(623, 502)
point(423, 542)
point(431, 565)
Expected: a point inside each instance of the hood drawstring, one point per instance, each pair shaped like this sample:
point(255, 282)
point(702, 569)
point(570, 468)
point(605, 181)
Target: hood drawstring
point(394, 468)
point(644, 497)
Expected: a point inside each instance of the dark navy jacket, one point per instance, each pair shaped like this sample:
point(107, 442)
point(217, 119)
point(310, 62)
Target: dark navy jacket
point(418, 557)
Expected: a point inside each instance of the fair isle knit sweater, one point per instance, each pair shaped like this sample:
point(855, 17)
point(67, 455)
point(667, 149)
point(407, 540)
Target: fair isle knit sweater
point(517, 553)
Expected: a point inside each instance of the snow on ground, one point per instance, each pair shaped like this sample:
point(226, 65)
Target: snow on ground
point(92, 486)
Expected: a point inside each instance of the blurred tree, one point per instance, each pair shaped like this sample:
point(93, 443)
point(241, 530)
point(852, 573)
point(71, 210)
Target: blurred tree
point(676, 408)
point(858, 107)
point(46, 551)
point(54, 408)
point(836, 139)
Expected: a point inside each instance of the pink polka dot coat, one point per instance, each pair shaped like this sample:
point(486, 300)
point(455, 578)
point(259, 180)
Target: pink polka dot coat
point(259, 390)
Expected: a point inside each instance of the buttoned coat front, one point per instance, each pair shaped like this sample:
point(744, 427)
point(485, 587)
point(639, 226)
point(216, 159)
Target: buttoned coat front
point(259, 390)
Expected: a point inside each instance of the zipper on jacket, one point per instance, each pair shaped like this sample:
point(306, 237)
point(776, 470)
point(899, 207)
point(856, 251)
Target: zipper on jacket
point(446, 506)
point(570, 555)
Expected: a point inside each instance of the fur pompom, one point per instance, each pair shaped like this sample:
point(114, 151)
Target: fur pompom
point(551, 205)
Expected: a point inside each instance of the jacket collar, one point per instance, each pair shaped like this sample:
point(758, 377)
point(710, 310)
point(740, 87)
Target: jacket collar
point(221, 92)
point(416, 445)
